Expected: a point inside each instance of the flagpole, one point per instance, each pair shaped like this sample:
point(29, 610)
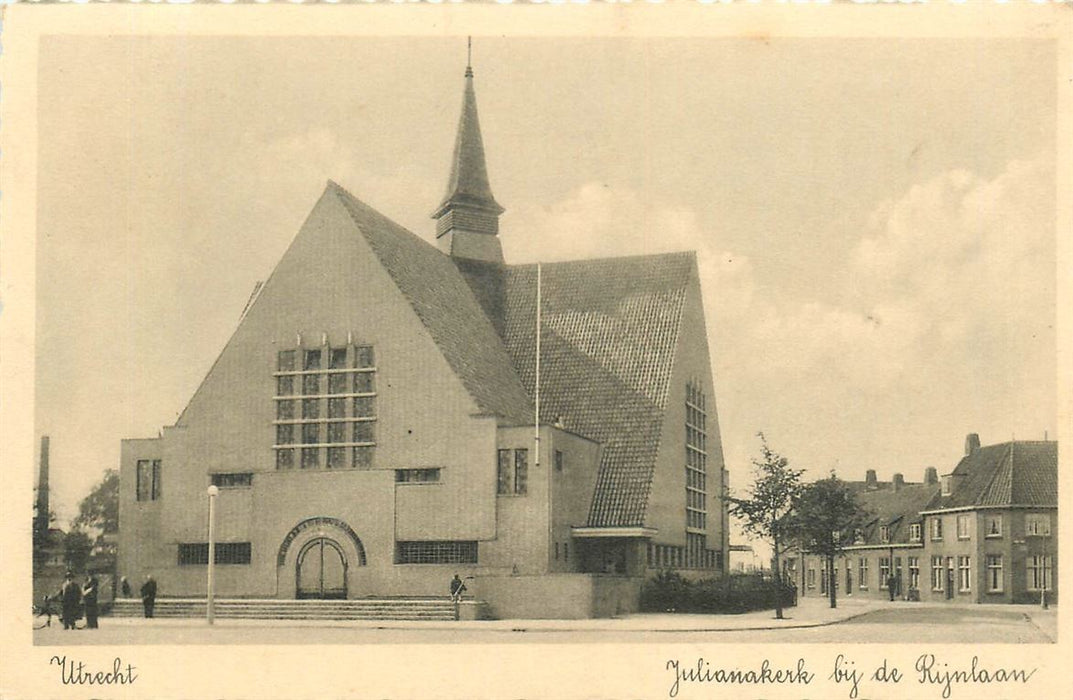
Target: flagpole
point(536, 411)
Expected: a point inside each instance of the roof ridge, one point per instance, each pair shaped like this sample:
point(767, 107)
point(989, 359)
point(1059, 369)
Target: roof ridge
point(607, 258)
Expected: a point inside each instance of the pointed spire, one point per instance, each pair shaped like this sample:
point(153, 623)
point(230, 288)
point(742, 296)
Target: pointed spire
point(468, 188)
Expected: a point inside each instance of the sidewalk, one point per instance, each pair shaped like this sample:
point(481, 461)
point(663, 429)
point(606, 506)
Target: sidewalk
point(812, 612)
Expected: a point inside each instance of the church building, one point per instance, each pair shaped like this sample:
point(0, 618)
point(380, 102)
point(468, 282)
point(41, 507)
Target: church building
point(390, 412)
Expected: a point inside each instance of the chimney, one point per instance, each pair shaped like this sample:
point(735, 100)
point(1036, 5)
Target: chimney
point(870, 480)
point(899, 481)
point(931, 476)
point(972, 443)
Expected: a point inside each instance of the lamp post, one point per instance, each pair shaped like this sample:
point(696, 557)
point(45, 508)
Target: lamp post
point(209, 611)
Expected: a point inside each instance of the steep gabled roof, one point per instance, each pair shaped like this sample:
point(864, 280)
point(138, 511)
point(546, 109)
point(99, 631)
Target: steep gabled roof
point(610, 330)
point(447, 307)
point(1020, 473)
point(895, 508)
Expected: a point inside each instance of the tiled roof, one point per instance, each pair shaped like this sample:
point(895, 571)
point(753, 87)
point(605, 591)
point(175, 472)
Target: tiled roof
point(894, 508)
point(447, 307)
point(1020, 473)
point(610, 329)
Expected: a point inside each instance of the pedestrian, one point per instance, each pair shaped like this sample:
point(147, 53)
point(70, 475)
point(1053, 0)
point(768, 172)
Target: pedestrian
point(457, 588)
point(892, 584)
point(148, 595)
point(124, 585)
point(71, 597)
point(89, 601)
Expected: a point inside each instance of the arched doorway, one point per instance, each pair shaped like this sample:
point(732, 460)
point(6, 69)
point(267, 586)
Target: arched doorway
point(321, 570)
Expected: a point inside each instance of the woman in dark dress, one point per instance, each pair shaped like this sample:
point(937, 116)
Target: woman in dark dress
point(89, 601)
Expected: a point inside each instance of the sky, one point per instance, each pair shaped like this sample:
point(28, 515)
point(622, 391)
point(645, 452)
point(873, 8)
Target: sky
point(873, 218)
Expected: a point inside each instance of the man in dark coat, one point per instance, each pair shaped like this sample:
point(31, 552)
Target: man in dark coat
point(89, 601)
point(124, 585)
point(148, 595)
point(71, 597)
point(457, 588)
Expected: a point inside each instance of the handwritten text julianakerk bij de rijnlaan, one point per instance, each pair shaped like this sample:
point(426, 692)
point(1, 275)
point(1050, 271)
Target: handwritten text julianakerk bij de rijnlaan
point(927, 670)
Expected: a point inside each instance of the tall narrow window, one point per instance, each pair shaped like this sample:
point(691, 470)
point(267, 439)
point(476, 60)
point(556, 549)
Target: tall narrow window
point(937, 573)
point(994, 573)
point(964, 524)
point(147, 476)
point(862, 573)
point(696, 458)
point(884, 572)
point(503, 472)
point(964, 574)
point(521, 472)
point(914, 572)
point(1039, 572)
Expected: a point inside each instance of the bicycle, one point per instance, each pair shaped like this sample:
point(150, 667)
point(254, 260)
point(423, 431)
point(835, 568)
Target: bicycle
point(42, 614)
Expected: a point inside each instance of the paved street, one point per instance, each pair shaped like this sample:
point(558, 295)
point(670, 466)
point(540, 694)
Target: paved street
point(853, 622)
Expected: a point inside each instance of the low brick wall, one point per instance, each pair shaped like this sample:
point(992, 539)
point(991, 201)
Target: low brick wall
point(557, 596)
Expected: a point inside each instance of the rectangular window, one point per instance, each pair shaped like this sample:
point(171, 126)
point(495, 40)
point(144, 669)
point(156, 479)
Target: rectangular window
point(365, 431)
point(337, 358)
point(503, 482)
point(696, 458)
point(884, 534)
point(337, 432)
point(914, 532)
point(936, 573)
point(862, 573)
point(964, 574)
point(337, 458)
point(964, 523)
point(993, 525)
point(1038, 525)
point(810, 581)
point(566, 551)
point(363, 383)
point(285, 410)
point(429, 475)
point(285, 386)
point(947, 485)
point(884, 572)
point(337, 383)
point(936, 528)
point(197, 553)
point(233, 480)
point(521, 472)
point(363, 356)
point(363, 457)
point(147, 476)
point(914, 572)
point(558, 460)
point(994, 573)
point(285, 434)
point(1039, 570)
point(364, 407)
point(436, 552)
point(312, 360)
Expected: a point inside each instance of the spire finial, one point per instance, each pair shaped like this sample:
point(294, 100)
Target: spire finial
point(469, 57)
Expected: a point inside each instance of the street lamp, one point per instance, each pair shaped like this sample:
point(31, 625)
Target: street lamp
point(210, 603)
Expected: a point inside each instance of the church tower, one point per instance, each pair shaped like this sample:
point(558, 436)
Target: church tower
point(467, 220)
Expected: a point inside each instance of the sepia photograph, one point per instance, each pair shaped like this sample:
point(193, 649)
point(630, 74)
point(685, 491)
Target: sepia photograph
point(725, 360)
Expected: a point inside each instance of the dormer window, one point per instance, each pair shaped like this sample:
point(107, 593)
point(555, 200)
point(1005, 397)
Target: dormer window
point(914, 532)
point(884, 534)
point(947, 485)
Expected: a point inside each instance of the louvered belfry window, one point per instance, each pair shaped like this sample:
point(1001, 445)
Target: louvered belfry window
point(325, 407)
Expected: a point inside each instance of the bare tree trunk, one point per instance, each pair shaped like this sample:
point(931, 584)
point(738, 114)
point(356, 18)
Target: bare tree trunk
point(778, 577)
point(831, 580)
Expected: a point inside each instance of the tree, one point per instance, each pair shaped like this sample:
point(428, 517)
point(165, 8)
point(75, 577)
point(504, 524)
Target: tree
point(99, 511)
point(767, 511)
point(826, 518)
point(77, 547)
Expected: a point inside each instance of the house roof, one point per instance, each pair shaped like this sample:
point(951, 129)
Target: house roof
point(448, 309)
point(610, 330)
point(896, 509)
point(1019, 473)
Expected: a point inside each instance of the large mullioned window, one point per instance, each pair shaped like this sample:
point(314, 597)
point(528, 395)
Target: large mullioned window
point(325, 408)
point(696, 458)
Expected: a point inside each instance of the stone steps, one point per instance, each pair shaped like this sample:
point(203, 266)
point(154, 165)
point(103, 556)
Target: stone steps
point(357, 609)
